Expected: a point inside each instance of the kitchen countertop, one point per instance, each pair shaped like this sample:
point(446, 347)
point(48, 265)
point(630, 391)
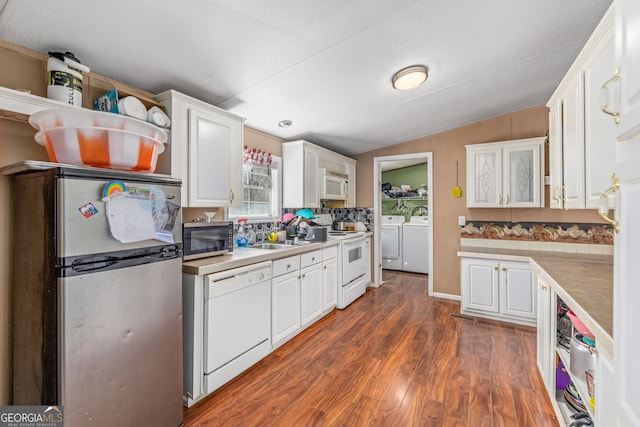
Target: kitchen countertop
point(583, 281)
point(246, 256)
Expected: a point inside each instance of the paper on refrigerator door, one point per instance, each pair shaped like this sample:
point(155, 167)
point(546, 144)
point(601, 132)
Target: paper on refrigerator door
point(129, 221)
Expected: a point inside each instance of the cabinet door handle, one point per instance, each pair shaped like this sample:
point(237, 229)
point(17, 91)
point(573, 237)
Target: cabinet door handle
point(507, 199)
point(603, 202)
point(504, 268)
point(605, 91)
point(500, 199)
point(231, 196)
point(544, 287)
point(495, 268)
point(558, 198)
point(561, 199)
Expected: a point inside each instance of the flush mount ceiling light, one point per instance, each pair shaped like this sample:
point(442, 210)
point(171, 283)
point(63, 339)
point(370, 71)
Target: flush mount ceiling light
point(285, 123)
point(410, 77)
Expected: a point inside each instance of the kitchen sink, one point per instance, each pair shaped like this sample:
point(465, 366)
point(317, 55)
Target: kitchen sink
point(270, 246)
point(279, 245)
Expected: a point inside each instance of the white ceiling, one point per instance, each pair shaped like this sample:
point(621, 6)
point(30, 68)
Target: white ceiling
point(325, 65)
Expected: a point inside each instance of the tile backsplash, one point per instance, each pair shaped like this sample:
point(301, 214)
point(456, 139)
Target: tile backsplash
point(365, 215)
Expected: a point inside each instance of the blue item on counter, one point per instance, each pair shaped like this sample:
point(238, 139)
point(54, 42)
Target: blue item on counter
point(305, 213)
point(241, 238)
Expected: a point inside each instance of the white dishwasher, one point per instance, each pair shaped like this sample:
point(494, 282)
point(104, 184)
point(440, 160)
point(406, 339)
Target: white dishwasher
point(237, 322)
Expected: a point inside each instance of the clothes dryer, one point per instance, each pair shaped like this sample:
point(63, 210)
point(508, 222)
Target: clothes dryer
point(415, 243)
point(391, 230)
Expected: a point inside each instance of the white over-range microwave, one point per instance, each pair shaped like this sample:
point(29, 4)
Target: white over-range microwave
point(335, 185)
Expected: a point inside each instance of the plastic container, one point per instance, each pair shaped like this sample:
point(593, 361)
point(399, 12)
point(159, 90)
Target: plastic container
point(94, 138)
point(84, 118)
point(101, 147)
point(64, 78)
point(580, 327)
point(241, 238)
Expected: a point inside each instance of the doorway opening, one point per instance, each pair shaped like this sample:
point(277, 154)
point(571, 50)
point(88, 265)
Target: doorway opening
point(395, 162)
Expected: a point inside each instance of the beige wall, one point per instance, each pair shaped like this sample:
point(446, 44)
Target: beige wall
point(447, 147)
point(19, 69)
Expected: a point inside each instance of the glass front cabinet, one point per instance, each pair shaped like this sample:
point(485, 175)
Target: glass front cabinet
point(506, 174)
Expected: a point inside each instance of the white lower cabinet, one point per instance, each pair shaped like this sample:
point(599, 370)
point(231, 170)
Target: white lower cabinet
point(329, 278)
point(546, 333)
point(310, 287)
point(285, 299)
point(550, 354)
point(303, 289)
point(498, 290)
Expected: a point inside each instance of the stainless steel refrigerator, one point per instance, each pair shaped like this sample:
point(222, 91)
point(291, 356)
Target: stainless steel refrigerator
point(97, 320)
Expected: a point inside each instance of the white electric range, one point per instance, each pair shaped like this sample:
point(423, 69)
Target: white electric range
point(354, 258)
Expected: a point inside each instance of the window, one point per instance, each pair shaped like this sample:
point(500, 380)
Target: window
point(261, 190)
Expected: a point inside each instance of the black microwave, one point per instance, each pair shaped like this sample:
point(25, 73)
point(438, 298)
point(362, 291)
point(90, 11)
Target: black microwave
point(206, 239)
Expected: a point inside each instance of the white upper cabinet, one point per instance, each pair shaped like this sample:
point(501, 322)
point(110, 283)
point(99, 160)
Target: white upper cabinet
point(484, 176)
point(351, 189)
point(572, 190)
point(599, 140)
point(626, 250)
point(628, 61)
point(205, 151)
point(300, 175)
point(582, 151)
point(302, 179)
point(505, 174)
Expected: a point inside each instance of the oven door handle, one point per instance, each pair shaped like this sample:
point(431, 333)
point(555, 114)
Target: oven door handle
point(355, 241)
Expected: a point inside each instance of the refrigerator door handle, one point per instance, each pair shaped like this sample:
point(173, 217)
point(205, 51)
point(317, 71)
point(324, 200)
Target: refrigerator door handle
point(94, 266)
point(101, 263)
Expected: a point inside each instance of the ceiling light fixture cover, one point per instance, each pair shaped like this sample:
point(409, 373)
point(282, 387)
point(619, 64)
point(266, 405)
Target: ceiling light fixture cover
point(410, 77)
point(285, 123)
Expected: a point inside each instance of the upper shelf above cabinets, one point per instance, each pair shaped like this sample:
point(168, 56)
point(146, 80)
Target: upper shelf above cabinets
point(506, 174)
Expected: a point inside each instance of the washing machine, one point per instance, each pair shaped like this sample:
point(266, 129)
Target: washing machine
point(391, 230)
point(415, 245)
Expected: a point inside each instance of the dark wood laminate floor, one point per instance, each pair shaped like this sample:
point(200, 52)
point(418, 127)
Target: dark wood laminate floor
point(395, 357)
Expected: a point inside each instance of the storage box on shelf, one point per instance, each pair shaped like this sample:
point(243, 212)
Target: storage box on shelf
point(97, 85)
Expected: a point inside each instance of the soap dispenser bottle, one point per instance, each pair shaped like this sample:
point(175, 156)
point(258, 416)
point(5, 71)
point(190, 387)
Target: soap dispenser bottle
point(241, 238)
